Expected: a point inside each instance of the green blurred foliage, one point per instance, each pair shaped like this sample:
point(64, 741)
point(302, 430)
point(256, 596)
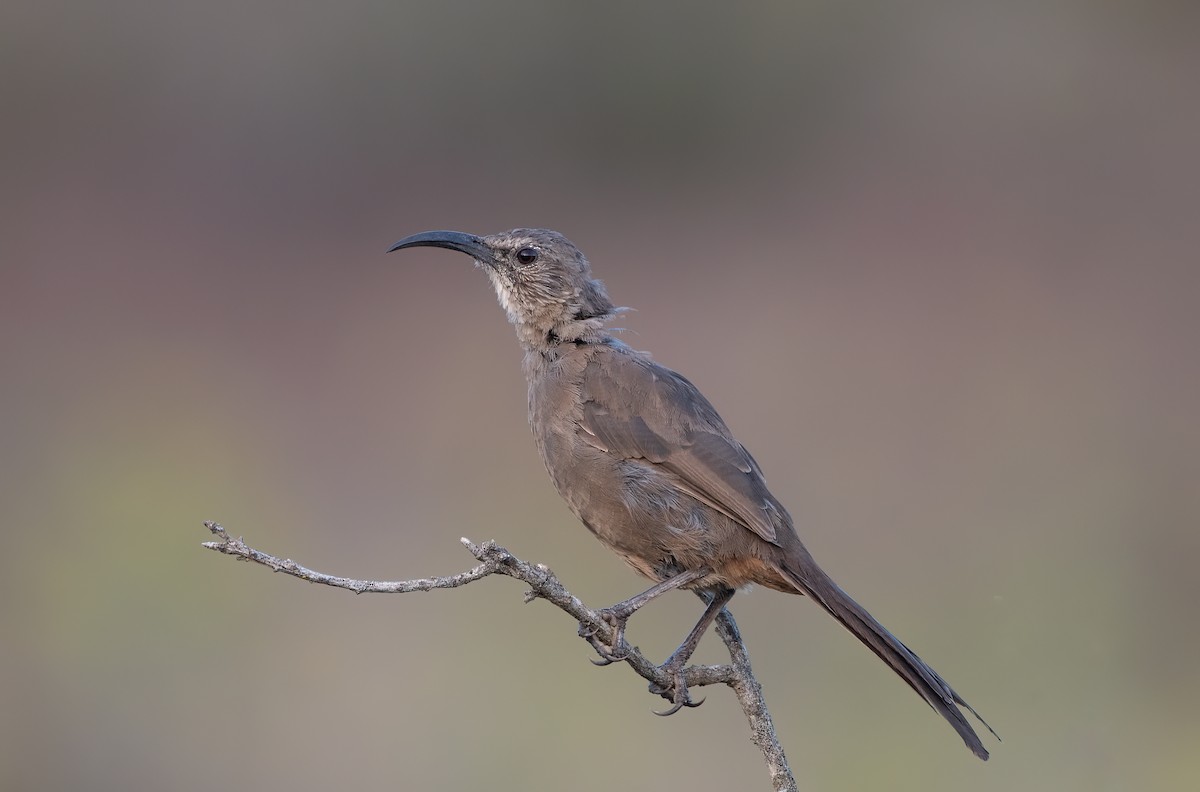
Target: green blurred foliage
point(935, 263)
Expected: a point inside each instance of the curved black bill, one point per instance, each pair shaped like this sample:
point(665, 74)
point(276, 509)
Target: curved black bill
point(470, 244)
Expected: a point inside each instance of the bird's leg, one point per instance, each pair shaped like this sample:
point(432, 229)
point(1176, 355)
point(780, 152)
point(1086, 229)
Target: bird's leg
point(618, 614)
point(674, 666)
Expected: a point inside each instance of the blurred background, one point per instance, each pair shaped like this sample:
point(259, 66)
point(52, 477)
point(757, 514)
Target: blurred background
point(934, 262)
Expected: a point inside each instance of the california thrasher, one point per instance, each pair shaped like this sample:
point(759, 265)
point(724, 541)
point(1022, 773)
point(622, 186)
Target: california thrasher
point(643, 459)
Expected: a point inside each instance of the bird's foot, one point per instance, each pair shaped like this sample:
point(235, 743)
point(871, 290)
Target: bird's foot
point(611, 652)
point(677, 693)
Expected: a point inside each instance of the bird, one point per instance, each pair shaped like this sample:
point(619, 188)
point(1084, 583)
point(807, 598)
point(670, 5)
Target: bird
point(647, 464)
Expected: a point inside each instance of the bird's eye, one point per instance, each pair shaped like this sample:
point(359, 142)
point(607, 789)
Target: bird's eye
point(527, 255)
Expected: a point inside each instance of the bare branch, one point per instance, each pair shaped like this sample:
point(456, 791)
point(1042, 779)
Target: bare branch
point(750, 696)
point(543, 584)
point(236, 547)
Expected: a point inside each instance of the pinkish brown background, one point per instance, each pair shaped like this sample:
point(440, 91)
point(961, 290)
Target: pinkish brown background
point(935, 263)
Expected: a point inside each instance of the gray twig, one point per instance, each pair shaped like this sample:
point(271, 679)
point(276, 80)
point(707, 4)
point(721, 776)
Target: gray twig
point(495, 560)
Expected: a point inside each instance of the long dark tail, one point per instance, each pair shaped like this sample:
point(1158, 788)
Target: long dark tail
point(820, 587)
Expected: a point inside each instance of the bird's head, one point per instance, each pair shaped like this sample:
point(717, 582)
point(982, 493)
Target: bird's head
point(542, 280)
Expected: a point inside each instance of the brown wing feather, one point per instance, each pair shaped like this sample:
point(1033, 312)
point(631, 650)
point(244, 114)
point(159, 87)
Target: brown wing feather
point(636, 409)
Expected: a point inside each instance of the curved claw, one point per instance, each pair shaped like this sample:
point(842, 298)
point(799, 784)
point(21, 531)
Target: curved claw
point(679, 698)
point(678, 705)
point(608, 657)
point(609, 654)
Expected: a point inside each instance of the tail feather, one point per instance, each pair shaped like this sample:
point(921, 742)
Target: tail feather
point(912, 669)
